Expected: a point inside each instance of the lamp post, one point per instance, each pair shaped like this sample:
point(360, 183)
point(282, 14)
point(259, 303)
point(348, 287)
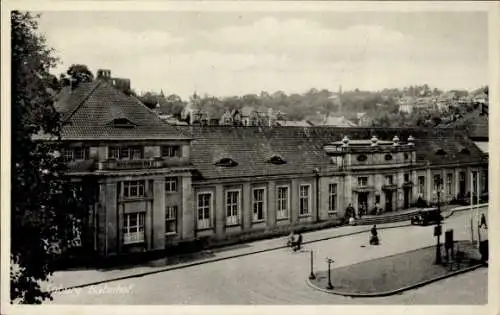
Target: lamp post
point(438, 228)
point(329, 286)
point(311, 275)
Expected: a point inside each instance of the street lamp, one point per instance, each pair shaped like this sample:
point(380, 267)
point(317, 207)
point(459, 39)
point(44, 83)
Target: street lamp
point(438, 228)
point(329, 286)
point(311, 275)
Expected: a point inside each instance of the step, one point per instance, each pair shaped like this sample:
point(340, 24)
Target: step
point(385, 219)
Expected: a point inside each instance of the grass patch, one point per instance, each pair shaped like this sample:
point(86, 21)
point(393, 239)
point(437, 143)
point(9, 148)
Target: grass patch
point(394, 272)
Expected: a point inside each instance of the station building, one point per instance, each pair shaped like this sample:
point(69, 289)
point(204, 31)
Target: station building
point(157, 186)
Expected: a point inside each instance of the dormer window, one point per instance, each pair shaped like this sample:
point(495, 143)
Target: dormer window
point(226, 162)
point(388, 157)
point(122, 123)
point(440, 151)
point(362, 158)
point(276, 159)
point(464, 150)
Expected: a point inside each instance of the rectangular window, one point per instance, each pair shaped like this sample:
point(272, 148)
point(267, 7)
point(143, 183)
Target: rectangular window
point(232, 207)
point(80, 154)
point(258, 204)
point(462, 176)
point(134, 188)
point(363, 181)
point(283, 199)
point(304, 191)
point(407, 177)
point(133, 228)
point(125, 153)
point(437, 182)
point(75, 154)
point(171, 184)
point(449, 183)
point(204, 210)
point(421, 185)
point(389, 180)
point(170, 151)
point(114, 153)
point(171, 220)
point(332, 197)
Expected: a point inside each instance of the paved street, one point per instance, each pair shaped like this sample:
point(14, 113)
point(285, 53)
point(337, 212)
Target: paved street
point(279, 277)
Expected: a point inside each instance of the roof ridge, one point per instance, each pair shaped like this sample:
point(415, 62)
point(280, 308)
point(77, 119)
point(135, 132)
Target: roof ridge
point(79, 104)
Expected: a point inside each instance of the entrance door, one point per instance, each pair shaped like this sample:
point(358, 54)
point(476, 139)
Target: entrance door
point(388, 200)
point(362, 200)
point(407, 194)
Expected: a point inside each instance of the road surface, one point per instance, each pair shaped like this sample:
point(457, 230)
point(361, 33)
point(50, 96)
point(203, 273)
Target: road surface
point(279, 276)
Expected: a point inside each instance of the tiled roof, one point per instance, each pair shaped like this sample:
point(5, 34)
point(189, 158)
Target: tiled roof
point(90, 109)
point(302, 148)
point(475, 124)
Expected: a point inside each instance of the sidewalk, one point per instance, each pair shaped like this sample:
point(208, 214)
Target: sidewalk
point(62, 280)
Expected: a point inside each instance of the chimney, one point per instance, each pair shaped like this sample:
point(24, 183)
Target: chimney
point(122, 85)
point(104, 74)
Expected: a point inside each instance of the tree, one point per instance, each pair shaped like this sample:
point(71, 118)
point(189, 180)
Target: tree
point(80, 73)
point(42, 221)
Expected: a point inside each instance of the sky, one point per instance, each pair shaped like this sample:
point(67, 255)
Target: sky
point(235, 53)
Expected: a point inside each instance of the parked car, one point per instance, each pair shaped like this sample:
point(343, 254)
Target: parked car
point(426, 216)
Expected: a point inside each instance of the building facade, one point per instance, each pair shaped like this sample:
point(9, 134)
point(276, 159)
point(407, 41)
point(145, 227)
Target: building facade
point(159, 186)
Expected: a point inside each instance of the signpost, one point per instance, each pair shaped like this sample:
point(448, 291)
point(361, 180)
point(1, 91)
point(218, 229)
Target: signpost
point(329, 286)
point(311, 275)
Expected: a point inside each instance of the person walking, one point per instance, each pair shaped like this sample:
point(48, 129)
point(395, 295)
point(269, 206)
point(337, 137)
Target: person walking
point(374, 236)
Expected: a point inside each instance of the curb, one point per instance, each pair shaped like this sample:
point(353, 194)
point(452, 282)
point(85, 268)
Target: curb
point(396, 291)
point(147, 273)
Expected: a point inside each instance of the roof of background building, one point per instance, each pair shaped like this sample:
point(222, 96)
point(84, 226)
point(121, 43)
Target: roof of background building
point(473, 123)
point(90, 109)
point(302, 148)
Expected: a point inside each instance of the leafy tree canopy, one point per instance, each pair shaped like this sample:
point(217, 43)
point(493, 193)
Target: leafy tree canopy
point(42, 220)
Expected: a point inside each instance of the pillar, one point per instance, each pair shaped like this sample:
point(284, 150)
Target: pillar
point(112, 230)
point(428, 185)
point(158, 233)
point(271, 204)
point(219, 213)
point(246, 202)
point(188, 209)
point(294, 202)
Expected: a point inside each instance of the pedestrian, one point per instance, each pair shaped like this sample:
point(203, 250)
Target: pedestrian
point(483, 221)
point(299, 242)
point(291, 239)
point(374, 236)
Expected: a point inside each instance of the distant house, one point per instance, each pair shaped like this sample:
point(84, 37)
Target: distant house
point(409, 104)
point(481, 98)
point(363, 119)
point(227, 118)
